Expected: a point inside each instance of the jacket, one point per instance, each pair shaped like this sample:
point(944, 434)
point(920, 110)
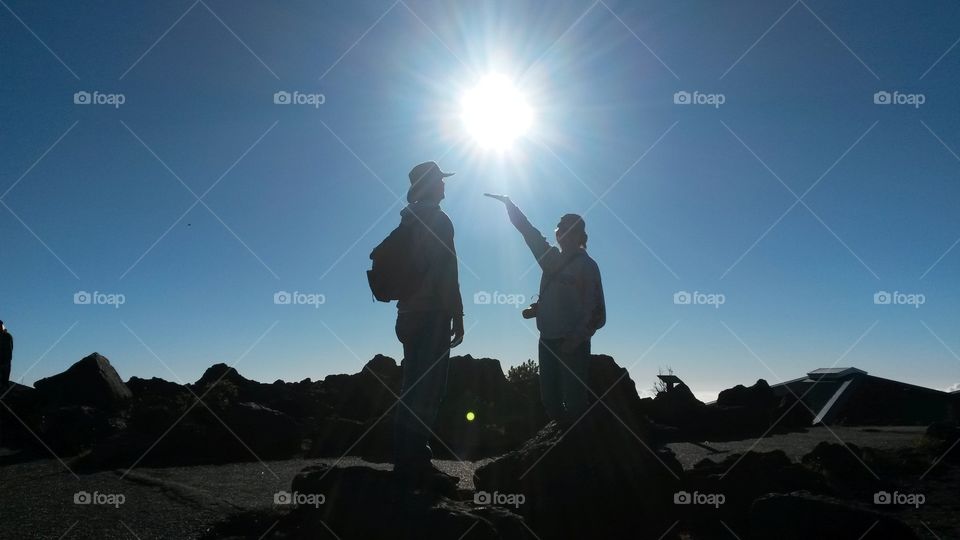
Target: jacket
point(571, 303)
point(440, 288)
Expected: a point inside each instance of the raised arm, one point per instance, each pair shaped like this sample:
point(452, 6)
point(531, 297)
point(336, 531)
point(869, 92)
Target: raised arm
point(547, 256)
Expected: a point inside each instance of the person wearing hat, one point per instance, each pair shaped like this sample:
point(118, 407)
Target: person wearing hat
point(569, 309)
point(6, 356)
point(429, 323)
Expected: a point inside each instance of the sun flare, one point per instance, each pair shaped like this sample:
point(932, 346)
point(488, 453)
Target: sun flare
point(495, 113)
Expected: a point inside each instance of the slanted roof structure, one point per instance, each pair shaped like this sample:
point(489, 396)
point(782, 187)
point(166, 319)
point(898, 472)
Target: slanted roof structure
point(834, 373)
point(849, 395)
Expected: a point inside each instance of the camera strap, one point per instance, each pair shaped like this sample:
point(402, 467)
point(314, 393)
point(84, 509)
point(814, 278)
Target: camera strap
point(549, 278)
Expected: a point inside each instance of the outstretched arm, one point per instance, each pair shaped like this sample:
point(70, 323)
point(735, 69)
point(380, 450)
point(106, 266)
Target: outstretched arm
point(548, 257)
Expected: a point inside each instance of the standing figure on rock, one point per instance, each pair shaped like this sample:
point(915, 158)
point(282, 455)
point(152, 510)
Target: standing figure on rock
point(417, 265)
point(569, 309)
point(6, 357)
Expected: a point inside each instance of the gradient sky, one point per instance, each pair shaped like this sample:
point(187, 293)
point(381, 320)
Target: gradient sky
point(696, 198)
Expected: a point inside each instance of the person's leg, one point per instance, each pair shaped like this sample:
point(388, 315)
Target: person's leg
point(426, 360)
point(434, 382)
point(409, 333)
point(4, 376)
point(549, 378)
point(575, 381)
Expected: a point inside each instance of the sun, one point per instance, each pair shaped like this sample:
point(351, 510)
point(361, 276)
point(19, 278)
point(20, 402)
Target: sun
point(495, 113)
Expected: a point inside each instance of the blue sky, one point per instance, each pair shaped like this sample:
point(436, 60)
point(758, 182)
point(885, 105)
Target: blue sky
point(696, 197)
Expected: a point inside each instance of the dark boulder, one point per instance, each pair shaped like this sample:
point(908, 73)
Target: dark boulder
point(91, 381)
point(223, 372)
point(367, 394)
point(845, 466)
point(502, 417)
point(942, 437)
point(740, 412)
point(801, 515)
point(263, 431)
point(739, 479)
point(363, 405)
point(71, 429)
point(304, 401)
point(679, 409)
point(334, 436)
point(155, 389)
point(361, 502)
point(199, 435)
point(758, 396)
point(20, 414)
point(597, 479)
point(618, 392)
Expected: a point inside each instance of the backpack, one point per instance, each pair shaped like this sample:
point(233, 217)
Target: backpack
point(398, 266)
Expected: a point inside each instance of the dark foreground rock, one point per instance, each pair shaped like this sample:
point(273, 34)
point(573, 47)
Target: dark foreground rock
point(758, 396)
point(801, 516)
point(735, 483)
point(92, 381)
point(361, 421)
point(361, 502)
point(596, 480)
point(942, 438)
point(234, 433)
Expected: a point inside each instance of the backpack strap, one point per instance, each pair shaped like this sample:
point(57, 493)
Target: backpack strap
point(549, 278)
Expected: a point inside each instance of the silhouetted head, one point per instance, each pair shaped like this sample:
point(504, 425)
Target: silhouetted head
point(2, 328)
point(426, 183)
point(571, 232)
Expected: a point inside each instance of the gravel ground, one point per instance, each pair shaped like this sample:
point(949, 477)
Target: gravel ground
point(795, 445)
point(37, 497)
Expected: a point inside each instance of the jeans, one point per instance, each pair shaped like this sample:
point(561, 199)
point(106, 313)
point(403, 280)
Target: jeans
point(425, 336)
point(4, 375)
point(564, 379)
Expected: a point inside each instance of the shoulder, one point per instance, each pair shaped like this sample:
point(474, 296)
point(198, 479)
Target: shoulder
point(441, 221)
point(588, 264)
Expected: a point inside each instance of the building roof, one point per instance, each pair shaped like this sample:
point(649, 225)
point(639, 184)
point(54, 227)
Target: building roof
point(835, 373)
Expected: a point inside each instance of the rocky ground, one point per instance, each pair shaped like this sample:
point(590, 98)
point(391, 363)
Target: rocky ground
point(37, 495)
point(92, 456)
point(797, 444)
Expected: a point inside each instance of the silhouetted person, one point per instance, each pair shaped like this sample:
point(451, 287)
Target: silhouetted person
point(426, 321)
point(6, 356)
point(569, 309)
